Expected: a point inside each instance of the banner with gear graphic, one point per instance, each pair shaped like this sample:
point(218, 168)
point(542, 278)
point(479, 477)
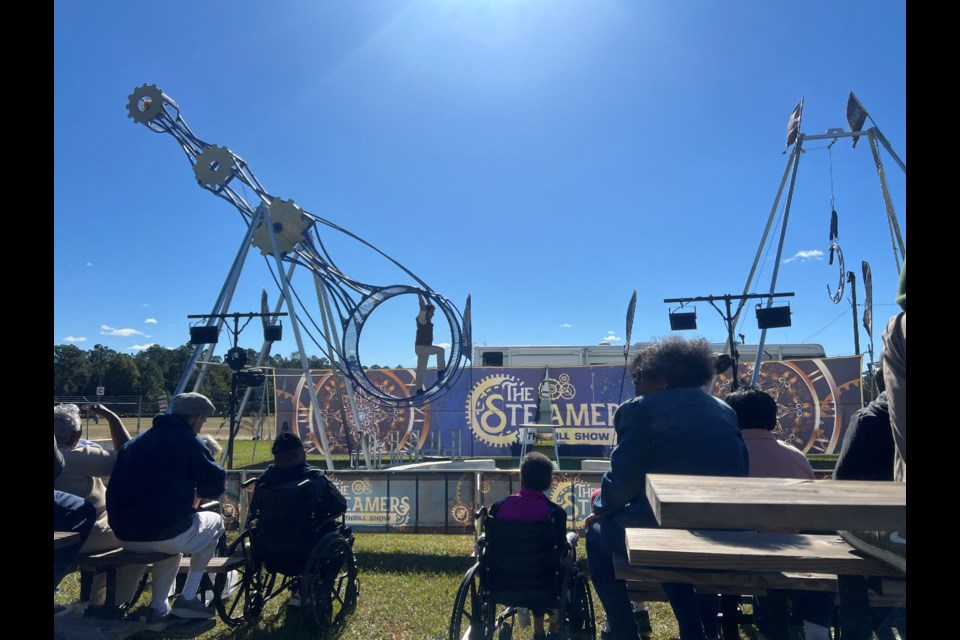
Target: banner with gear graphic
point(481, 413)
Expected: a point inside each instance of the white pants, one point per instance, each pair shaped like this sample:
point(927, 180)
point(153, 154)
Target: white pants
point(200, 541)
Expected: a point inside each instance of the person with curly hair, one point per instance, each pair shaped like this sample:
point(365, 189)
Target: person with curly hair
point(671, 426)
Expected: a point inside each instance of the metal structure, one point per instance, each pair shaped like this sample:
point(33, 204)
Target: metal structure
point(289, 237)
point(856, 117)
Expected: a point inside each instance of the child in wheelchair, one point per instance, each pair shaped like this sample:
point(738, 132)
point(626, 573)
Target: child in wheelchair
point(531, 504)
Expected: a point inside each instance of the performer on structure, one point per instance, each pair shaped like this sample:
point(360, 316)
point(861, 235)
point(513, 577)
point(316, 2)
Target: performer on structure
point(424, 343)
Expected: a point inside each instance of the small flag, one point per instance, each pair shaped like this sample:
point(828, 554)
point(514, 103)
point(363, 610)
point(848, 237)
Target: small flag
point(467, 331)
point(856, 116)
point(868, 299)
point(631, 309)
point(793, 125)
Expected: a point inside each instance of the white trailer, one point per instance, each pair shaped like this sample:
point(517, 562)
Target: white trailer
point(539, 356)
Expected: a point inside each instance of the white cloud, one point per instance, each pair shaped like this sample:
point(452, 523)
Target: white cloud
point(805, 256)
point(566, 325)
point(88, 264)
point(611, 337)
point(145, 304)
point(445, 345)
point(110, 331)
point(140, 347)
point(150, 321)
point(74, 339)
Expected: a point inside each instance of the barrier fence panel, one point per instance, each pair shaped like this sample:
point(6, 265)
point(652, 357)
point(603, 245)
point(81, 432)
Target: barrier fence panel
point(423, 501)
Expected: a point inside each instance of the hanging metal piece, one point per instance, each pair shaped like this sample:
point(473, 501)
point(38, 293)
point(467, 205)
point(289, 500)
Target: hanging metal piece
point(835, 248)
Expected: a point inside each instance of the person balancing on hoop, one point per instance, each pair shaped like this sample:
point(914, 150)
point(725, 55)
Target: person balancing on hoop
point(424, 346)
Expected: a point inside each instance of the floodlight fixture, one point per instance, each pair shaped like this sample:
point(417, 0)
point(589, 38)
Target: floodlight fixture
point(773, 317)
point(272, 332)
point(204, 334)
point(683, 320)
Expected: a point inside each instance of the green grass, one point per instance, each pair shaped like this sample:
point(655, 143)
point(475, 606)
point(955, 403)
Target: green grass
point(407, 587)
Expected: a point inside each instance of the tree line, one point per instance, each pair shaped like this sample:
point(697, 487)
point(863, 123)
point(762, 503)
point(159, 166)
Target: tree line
point(153, 373)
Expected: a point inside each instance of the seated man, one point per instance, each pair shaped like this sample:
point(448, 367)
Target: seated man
point(70, 513)
point(87, 465)
point(151, 499)
point(309, 492)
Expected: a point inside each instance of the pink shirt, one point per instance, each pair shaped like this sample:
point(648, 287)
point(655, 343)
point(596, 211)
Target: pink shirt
point(771, 458)
point(526, 505)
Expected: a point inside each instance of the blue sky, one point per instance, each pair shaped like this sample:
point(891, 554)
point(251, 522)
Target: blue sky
point(545, 157)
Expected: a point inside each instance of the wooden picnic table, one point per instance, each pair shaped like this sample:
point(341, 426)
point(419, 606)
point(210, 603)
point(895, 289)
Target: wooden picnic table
point(765, 504)
point(64, 539)
point(757, 508)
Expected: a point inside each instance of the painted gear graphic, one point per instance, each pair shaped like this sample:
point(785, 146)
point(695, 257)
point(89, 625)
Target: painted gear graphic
point(145, 104)
point(214, 167)
point(289, 226)
point(484, 415)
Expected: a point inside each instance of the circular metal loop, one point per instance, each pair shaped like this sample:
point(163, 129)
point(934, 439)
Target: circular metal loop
point(351, 343)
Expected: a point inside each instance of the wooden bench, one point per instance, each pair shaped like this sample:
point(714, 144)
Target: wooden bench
point(747, 563)
point(109, 561)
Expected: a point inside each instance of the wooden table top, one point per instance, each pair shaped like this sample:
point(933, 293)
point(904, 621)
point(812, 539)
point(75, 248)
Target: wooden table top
point(65, 539)
point(771, 504)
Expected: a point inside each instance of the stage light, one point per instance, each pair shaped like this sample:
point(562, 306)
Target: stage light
point(204, 334)
point(773, 317)
point(683, 320)
point(272, 332)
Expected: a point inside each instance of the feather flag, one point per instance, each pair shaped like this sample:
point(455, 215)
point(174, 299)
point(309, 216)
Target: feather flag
point(467, 331)
point(631, 309)
point(856, 116)
point(867, 299)
point(793, 125)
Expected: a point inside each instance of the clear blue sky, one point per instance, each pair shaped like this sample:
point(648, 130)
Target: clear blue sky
point(546, 157)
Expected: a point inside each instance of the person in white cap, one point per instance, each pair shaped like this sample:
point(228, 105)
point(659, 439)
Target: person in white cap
point(151, 499)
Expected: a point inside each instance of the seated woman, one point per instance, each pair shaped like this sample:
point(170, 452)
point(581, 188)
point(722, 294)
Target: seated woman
point(85, 466)
point(530, 504)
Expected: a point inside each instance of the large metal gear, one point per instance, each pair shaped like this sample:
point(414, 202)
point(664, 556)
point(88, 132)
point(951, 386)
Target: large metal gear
point(289, 226)
point(485, 415)
point(146, 103)
point(214, 167)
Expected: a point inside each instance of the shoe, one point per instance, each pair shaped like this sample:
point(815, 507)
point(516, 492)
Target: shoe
point(889, 546)
point(294, 599)
point(60, 610)
point(183, 608)
point(156, 621)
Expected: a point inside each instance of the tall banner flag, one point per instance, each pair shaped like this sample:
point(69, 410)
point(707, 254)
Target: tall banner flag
point(856, 116)
point(793, 125)
point(868, 300)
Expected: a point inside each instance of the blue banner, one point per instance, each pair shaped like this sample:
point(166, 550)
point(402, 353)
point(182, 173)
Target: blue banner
point(481, 413)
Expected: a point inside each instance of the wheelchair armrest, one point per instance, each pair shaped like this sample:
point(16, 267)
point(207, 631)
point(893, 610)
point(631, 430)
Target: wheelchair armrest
point(249, 481)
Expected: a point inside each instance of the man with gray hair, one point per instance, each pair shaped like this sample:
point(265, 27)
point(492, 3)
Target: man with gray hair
point(86, 466)
point(151, 501)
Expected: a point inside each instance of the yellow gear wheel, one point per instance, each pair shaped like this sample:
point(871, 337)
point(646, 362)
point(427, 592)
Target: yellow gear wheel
point(289, 227)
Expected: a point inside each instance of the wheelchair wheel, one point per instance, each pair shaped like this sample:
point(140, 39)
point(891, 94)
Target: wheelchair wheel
point(245, 602)
point(329, 587)
point(579, 622)
point(472, 619)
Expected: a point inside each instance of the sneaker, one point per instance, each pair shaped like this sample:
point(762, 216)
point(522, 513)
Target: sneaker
point(889, 546)
point(60, 610)
point(183, 608)
point(294, 599)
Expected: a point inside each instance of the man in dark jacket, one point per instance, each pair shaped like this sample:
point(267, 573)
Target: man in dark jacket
point(159, 478)
point(285, 536)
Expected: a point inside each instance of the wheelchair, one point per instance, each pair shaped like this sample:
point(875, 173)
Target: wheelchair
point(519, 565)
point(287, 548)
